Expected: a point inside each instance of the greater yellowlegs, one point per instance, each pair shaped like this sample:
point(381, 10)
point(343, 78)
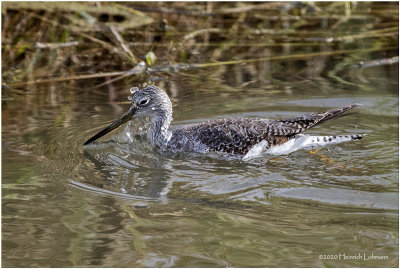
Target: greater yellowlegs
point(236, 136)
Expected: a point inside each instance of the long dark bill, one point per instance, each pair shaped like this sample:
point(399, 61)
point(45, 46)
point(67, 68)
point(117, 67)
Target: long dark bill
point(124, 118)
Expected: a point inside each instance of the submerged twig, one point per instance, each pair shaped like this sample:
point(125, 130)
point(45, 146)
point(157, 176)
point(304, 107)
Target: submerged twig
point(378, 62)
point(178, 67)
point(361, 65)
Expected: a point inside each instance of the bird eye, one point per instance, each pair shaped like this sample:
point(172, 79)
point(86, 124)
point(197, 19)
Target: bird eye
point(144, 102)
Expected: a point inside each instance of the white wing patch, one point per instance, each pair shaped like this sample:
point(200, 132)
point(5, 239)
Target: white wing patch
point(298, 142)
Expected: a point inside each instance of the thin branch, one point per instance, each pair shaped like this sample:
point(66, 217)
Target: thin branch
point(362, 65)
point(179, 67)
point(200, 32)
point(40, 45)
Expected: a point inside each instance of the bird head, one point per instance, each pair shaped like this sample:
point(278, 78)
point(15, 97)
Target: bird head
point(150, 102)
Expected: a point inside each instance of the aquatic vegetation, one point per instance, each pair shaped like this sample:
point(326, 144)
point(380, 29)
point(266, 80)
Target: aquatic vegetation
point(50, 42)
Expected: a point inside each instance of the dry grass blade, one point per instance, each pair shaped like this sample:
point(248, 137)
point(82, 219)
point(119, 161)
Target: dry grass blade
point(83, 41)
point(393, 60)
point(71, 78)
point(123, 45)
point(40, 45)
point(140, 68)
point(200, 32)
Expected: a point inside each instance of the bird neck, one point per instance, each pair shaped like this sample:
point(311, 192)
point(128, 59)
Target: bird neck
point(159, 132)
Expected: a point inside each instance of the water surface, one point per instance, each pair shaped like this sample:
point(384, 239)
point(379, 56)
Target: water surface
point(119, 204)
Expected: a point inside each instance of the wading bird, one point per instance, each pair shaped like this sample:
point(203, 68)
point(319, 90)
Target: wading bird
point(233, 136)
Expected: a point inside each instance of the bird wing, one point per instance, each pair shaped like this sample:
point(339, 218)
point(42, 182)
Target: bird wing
point(236, 135)
point(239, 135)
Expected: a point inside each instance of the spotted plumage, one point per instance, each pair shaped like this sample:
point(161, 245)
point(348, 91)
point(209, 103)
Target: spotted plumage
point(230, 136)
point(238, 136)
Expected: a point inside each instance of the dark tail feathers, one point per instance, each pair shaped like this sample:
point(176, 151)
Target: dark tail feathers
point(334, 113)
point(308, 121)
